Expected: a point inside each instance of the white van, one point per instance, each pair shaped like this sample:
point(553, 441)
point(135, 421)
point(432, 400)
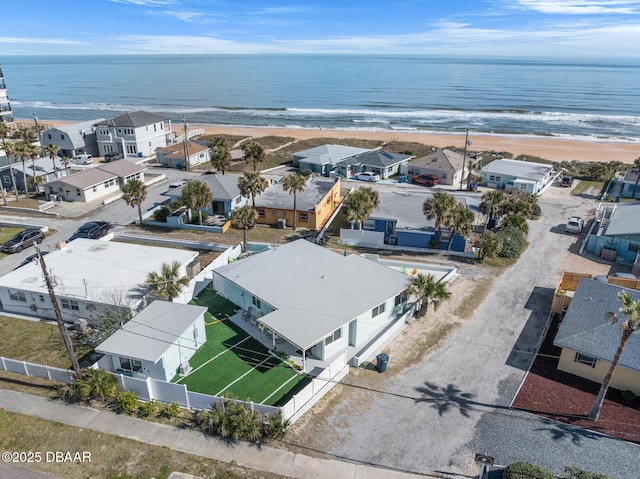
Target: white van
point(84, 159)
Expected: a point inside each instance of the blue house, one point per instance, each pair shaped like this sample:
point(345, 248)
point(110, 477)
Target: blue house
point(400, 220)
point(629, 184)
point(226, 194)
point(324, 158)
point(616, 234)
point(43, 168)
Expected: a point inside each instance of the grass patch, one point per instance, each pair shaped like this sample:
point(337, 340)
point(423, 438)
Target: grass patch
point(583, 186)
point(243, 368)
point(8, 232)
point(471, 301)
point(36, 342)
point(111, 456)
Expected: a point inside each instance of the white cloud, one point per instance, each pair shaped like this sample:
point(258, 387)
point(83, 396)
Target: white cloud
point(146, 3)
point(32, 41)
point(580, 7)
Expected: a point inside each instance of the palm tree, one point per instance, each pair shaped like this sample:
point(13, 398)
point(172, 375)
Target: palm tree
point(167, 284)
point(490, 246)
point(25, 133)
point(439, 207)
point(253, 153)
point(197, 194)
point(360, 204)
point(636, 167)
point(96, 383)
point(52, 151)
point(10, 150)
point(65, 162)
point(243, 218)
point(516, 221)
point(493, 203)
point(22, 150)
point(34, 152)
point(35, 181)
point(430, 291)
point(252, 185)
point(134, 192)
point(220, 155)
point(631, 310)
point(460, 222)
point(294, 184)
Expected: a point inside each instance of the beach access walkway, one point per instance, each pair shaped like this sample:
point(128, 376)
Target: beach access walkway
point(262, 458)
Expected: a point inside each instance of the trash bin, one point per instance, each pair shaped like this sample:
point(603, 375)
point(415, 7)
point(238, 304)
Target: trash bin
point(381, 362)
point(618, 198)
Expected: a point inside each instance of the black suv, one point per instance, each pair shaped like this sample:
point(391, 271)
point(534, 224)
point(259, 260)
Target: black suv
point(108, 157)
point(92, 230)
point(23, 240)
point(566, 181)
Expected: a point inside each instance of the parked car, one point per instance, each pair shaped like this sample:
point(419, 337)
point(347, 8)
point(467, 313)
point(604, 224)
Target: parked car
point(30, 259)
point(109, 157)
point(92, 230)
point(177, 184)
point(23, 240)
point(367, 176)
point(574, 225)
point(566, 181)
point(84, 159)
point(427, 180)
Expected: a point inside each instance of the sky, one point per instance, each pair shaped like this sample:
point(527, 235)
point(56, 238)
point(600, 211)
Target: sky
point(513, 28)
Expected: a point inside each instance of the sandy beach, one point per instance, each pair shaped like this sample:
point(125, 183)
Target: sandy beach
point(549, 148)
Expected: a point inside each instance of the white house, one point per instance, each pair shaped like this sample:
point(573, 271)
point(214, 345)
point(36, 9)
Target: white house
point(157, 343)
point(89, 276)
point(95, 184)
point(134, 134)
point(74, 139)
point(524, 176)
point(319, 302)
point(174, 156)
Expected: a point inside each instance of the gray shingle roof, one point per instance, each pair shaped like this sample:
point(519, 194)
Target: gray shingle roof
point(331, 154)
point(314, 290)
point(526, 170)
point(75, 131)
point(223, 187)
point(152, 331)
point(135, 119)
point(376, 159)
point(275, 197)
point(444, 159)
point(99, 174)
point(625, 220)
point(586, 330)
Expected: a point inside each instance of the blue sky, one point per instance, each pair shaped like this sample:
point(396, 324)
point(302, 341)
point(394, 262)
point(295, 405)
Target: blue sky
point(547, 28)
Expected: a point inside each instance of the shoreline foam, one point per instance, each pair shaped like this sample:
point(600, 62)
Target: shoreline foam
point(549, 148)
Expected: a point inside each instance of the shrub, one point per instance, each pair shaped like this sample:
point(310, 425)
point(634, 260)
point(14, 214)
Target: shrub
point(170, 410)
point(526, 470)
point(70, 392)
point(161, 214)
point(513, 242)
point(127, 401)
point(575, 473)
point(275, 426)
point(96, 384)
point(147, 409)
point(628, 397)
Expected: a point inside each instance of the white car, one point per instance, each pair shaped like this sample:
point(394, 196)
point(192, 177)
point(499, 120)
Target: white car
point(367, 176)
point(574, 225)
point(82, 159)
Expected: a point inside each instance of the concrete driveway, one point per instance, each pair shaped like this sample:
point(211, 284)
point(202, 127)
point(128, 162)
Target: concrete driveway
point(435, 415)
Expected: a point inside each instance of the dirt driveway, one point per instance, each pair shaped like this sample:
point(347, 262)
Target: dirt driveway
point(432, 412)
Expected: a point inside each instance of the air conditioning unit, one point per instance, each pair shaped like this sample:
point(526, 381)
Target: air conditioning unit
point(33, 307)
point(80, 325)
point(185, 368)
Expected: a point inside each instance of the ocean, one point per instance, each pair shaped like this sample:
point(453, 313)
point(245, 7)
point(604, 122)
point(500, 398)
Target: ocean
point(580, 100)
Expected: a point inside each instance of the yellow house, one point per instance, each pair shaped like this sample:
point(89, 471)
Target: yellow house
point(314, 205)
point(589, 340)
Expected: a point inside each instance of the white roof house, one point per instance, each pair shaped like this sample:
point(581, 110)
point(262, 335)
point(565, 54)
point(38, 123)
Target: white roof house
point(88, 274)
point(156, 342)
point(307, 294)
point(526, 176)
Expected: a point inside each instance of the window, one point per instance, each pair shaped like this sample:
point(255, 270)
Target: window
point(260, 212)
point(62, 137)
point(495, 178)
point(303, 216)
point(337, 334)
point(369, 224)
point(41, 297)
point(17, 296)
point(584, 359)
point(6, 179)
point(633, 247)
point(132, 365)
point(378, 310)
point(49, 135)
point(443, 176)
point(256, 302)
point(67, 303)
point(91, 307)
point(78, 192)
point(238, 200)
point(401, 298)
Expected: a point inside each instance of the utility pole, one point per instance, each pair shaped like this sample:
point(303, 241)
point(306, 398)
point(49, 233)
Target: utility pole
point(464, 156)
point(63, 330)
point(186, 146)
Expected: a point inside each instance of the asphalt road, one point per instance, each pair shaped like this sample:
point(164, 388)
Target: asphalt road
point(437, 414)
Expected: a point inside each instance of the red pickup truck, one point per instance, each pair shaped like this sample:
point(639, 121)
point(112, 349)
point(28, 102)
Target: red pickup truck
point(427, 180)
